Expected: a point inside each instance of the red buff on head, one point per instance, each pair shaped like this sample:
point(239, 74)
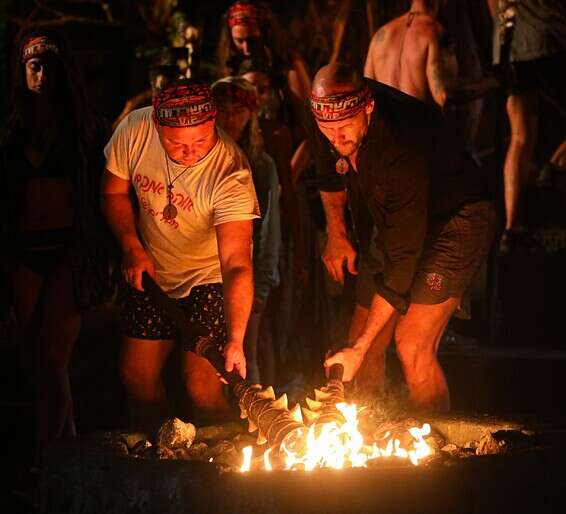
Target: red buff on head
point(38, 46)
point(245, 13)
point(235, 90)
point(184, 105)
point(339, 106)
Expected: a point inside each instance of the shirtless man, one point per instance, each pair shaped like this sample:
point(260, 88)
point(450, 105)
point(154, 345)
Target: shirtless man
point(406, 54)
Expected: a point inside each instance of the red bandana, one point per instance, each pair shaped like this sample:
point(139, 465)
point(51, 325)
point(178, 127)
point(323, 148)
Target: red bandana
point(246, 14)
point(339, 106)
point(231, 92)
point(184, 105)
point(37, 46)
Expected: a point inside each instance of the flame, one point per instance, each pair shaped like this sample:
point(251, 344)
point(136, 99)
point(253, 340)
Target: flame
point(247, 451)
point(337, 446)
point(266, 461)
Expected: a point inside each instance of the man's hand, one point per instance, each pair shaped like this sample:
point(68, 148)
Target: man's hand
point(235, 358)
point(134, 263)
point(350, 358)
point(337, 252)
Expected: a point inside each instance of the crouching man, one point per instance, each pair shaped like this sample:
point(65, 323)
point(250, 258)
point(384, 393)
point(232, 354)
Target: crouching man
point(191, 230)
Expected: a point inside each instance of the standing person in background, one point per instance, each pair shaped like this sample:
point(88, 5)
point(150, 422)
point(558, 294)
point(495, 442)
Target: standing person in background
point(408, 54)
point(236, 100)
point(538, 60)
point(193, 235)
point(54, 238)
point(250, 29)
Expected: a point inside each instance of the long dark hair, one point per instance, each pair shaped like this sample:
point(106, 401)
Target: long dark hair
point(70, 91)
point(227, 55)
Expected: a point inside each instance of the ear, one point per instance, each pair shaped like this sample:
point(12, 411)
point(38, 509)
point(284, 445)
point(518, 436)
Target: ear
point(369, 107)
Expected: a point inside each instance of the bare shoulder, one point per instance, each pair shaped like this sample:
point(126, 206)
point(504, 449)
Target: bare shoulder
point(386, 31)
point(430, 29)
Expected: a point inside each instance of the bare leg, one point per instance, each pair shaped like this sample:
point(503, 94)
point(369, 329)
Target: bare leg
point(26, 287)
point(559, 156)
point(522, 112)
point(203, 385)
point(141, 364)
point(59, 331)
point(370, 379)
point(417, 337)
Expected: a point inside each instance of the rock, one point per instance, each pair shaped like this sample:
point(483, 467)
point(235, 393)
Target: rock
point(198, 451)
point(133, 438)
point(451, 449)
point(225, 455)
point(503, 441)
point(140, 448)
point(174, 439)
point(488, 445)
point(218, 432)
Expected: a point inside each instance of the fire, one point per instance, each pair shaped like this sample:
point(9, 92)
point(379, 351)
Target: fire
point(246, 465)
point(338, 446)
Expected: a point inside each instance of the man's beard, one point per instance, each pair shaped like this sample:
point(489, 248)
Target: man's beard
point(353, 146)
point(352, 149)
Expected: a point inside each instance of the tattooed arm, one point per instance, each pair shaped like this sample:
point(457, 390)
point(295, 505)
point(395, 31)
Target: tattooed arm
point(441, 70)
point(373, 54)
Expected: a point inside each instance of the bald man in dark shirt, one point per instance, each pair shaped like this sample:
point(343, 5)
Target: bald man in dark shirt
point(386, 151)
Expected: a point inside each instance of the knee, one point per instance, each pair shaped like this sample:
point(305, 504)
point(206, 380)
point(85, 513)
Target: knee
point(135, 377)
point(203, 387)
point(411, 346)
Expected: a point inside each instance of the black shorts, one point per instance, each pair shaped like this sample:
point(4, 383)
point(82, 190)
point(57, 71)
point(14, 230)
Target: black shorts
point(545, 75)
point(453, 251)
point(143, 319)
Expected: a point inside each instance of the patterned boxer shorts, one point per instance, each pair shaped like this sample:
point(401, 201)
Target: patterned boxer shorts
point(143, 319)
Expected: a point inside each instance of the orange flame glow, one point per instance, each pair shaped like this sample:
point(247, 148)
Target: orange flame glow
point(338, 446)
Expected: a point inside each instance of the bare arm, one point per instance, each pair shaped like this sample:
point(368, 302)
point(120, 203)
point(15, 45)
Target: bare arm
point(441, 71)
point(338, 249)
point(373, 52)
point(351, 358)
point(118, 211)
point(299, 80)
point(492, 5)
point(234, 250)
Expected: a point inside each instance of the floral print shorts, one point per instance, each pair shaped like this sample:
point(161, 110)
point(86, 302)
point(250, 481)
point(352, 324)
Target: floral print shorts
point(143, 319)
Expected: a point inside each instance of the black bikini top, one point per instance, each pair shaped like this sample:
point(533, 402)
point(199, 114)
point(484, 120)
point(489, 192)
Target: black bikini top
point(57, 164)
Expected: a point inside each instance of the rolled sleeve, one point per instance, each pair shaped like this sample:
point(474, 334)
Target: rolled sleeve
point(234, 198)
point(404, 230)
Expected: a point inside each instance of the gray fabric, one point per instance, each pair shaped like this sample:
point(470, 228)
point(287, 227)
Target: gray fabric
point(540, 30)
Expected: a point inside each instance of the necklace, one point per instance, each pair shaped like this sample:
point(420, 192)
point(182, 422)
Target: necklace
point(170, 211)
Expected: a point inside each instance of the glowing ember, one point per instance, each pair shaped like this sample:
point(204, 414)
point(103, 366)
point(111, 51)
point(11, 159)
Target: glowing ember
point(338, 446)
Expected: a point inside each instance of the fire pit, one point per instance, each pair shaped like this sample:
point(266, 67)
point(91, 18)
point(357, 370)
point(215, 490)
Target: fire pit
point(485, 466)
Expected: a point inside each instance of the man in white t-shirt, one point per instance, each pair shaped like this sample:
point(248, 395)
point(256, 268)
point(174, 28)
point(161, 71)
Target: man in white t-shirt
point(191, 231)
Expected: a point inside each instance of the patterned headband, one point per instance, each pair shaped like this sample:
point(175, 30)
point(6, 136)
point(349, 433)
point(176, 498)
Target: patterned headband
point(38, 46)
point(339, 106)
point(184, 105)
point(246, 14)
point(224, 91)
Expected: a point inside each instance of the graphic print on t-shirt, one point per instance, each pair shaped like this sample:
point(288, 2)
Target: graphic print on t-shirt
point(147, 191)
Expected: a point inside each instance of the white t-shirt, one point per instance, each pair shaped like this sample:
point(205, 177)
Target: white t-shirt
point(217, 189)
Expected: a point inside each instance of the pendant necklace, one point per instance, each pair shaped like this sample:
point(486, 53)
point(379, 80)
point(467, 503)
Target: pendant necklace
point(342, 166)
point(170, 211)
